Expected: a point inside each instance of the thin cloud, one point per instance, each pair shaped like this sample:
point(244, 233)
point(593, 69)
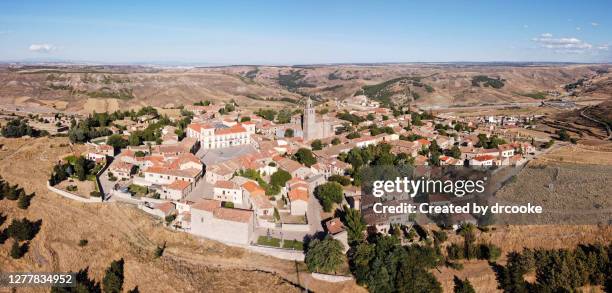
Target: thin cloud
point(42, 48)
point(562, 45)
point(594, 24)
point(525, 26)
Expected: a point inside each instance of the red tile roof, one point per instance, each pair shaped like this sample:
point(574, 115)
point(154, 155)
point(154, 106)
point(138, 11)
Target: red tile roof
point(179, 185)
point(225, 184)
point(484, 158)
point(230, 130)
point(206, 205)
point(234, 215)
point(298, 194)
point(334, 226)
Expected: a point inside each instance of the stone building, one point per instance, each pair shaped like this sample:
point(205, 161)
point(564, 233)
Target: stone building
point(314, 128)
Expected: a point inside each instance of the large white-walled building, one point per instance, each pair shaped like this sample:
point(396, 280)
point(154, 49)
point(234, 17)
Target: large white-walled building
point(221, 135)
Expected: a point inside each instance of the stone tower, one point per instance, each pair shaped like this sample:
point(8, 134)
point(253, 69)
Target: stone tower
point(309, 124)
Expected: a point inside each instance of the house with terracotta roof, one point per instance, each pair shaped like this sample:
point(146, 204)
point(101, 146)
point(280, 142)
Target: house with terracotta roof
point(294, 168)
point(229, 191)
point(221, 171)
point(336, 229)
point(184, 167)
point(422, 143)
point(121, 170)
point(160, 209)
point(450, 161)
point(257, 196)
point(210, 220)
point(483, 160)
point(421, 160)
point(505, 151)
point(176, 190)
point(329, 167)
point(297, 194)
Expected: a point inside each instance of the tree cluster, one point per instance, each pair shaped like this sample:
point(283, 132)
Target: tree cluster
point(18, 128)
point(78, 167)
point(559, 270)
point(112, 281)
point(383, 265)
point(489, 142)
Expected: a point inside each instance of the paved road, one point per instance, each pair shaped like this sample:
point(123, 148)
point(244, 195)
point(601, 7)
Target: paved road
point(606, 126)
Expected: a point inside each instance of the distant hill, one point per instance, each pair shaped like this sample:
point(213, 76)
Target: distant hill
point(105, 87)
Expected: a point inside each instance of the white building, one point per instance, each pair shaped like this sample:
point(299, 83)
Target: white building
point(228, 191)
point(221, 136)
point(212, 221)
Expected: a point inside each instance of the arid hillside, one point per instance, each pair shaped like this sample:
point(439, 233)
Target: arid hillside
point(88, 88)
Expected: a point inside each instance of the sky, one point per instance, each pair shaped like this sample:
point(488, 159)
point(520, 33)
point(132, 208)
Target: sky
point(305, 32)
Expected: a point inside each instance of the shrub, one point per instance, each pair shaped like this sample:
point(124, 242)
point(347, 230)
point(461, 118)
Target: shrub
point(23, 229)
point(83, 242)
point(455, 251)
point(113, 277)
point(24, 201)
point(159, 250)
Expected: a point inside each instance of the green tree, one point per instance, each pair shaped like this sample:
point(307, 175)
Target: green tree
point(316, 145)
point(328, 194)
point(563, 135)
point(24, 201)
point(117, 141)
point(280, 177)
point(17, 251)
point(324, 256)
point(416, 279)
point(463, 286)
point(289, 132)
point(353, 135)
point(267, 114)
point(135, 139)
point(80, 168)
point(335, 141)
point(24, 229)
point(113, 277)
point(305, 156)
point(284, 116)
point(455, 152)
point(83, 284)
point(354, 223)
point(343, 180)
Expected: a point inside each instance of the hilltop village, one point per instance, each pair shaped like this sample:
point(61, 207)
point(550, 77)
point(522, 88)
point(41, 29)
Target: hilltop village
point(266, 178)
